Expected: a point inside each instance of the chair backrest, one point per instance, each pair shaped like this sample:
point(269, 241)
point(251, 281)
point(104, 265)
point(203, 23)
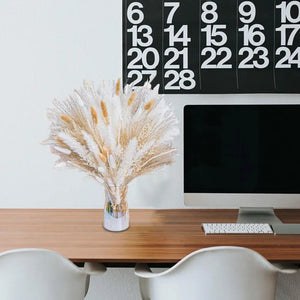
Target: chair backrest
point(39, 274)
point(218, 273)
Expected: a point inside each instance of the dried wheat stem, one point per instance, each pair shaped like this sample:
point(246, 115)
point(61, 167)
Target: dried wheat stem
point(102, 157)
point(104, 151)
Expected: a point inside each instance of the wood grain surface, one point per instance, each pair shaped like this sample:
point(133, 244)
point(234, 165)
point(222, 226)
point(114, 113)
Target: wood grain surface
point(154, 236)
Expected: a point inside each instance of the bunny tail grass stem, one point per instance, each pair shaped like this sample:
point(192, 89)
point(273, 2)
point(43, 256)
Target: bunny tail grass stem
point(118, 87)
point(94, 115)
point(66, 118)
point(104, 112)
point(149, 105)
point(131, 99)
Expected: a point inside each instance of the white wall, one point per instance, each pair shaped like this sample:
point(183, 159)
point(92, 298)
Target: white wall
point(47, 48)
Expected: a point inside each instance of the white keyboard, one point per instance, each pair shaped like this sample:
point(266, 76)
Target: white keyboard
point(237, 228)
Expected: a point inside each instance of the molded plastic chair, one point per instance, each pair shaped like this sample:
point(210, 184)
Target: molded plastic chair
point(217, 273)
point(40, 274)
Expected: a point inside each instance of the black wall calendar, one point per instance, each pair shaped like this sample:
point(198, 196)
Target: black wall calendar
point(213, 46)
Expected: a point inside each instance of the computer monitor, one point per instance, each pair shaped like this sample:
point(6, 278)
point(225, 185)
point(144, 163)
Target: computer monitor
point(242, 156)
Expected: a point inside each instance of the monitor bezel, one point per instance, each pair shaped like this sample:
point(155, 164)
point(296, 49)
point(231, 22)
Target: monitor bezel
point(237, 200)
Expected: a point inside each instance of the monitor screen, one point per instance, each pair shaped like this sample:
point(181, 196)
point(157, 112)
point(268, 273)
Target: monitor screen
point(242, 149)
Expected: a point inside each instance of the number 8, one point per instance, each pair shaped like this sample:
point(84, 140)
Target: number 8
point(209, 11)
point(187, 76)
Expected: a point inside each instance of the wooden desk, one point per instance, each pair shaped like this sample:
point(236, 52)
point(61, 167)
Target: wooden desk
point(155, 236)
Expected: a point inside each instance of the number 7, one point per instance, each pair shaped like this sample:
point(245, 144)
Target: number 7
point(174, 6)
point(152, 74)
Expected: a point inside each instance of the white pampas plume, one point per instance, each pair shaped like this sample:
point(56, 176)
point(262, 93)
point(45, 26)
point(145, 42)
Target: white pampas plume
point(99, 179)
point(76, 147)
point(62, 150)
point(142, 152)
point(112, 162)
point(60, 164)
point(169, 136)
point(92, 146)
point(108, 135)
point(111, 138)
point(76, 97)
point(73, 144)
point(127, 160)
point(101, 170)
point(158, 155)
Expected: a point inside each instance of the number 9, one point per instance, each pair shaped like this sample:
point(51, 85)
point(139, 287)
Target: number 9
point(250, 13)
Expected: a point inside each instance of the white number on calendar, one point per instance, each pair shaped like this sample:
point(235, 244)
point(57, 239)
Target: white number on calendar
point(176, 54)
point(248, 11)
point(288, 58)
point(139, 75)
point(214, 33)
point(252, 34)
point(135, 15)
point(174, 6)
point(286, 29)
point(146, 31)
point(185, 80)
point(286, 11)
point(262, 53)
point(209, 14)
point(181, 36)
point(145, 57)
point(213, 54)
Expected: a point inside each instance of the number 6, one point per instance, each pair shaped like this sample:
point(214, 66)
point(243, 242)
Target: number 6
point(131, 11)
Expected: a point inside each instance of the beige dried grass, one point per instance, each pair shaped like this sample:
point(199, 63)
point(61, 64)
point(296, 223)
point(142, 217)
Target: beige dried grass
point(113, 135)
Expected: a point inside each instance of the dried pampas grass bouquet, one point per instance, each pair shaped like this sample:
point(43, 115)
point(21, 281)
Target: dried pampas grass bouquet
point(114, 136)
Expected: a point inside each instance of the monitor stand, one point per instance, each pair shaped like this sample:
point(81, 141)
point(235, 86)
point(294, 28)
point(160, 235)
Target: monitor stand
point(266, 215)
point(257, 215)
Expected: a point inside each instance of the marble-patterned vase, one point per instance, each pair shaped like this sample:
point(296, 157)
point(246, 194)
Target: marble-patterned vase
point(116, 213)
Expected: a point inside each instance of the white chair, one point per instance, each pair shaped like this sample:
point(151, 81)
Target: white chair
point(40, 274)
point(217, 273)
